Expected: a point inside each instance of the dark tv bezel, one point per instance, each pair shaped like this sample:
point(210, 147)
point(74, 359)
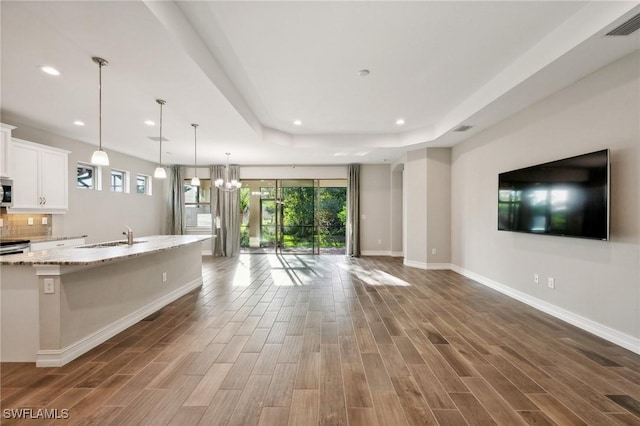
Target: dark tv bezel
point(551, 234)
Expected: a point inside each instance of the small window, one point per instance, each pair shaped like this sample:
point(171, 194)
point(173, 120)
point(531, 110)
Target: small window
point(143, 184)
point(119, 181)
point(88, 176)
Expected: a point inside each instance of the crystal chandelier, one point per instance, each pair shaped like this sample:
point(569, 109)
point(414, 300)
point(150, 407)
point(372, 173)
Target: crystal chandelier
point(227, 184)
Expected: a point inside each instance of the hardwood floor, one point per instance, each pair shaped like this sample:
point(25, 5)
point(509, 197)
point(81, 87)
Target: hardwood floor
point(330, 340)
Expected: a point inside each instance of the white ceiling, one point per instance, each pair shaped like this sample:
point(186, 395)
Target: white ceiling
point(245, 71)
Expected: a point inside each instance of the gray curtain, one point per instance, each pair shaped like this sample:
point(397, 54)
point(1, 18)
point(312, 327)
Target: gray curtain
point(175, 219)
point(225, 210)
point(353, 211)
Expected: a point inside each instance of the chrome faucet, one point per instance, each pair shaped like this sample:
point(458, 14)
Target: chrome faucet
point(129, 235)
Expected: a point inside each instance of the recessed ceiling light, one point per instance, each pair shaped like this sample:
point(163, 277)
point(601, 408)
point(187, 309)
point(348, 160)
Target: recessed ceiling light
point(50, 70)
point(78, 123)
point(150, 122)
point(400, 121)
point(298, 123)
point(363, 73)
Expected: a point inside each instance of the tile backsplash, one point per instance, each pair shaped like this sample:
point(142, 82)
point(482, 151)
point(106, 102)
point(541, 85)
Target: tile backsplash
point(17, 225)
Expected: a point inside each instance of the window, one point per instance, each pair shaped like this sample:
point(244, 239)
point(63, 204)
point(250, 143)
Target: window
point(88, 176)
point(143, 184)
point(197, 204)
point(119, 181)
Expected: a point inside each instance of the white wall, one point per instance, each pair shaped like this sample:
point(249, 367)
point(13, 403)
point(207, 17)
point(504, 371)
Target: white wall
point(375, 209)
point(102, 214)
point(415, 178)
point(397, 214)
point(438, 207)
point(293, 172)
point(597, 283)
point(426, 198)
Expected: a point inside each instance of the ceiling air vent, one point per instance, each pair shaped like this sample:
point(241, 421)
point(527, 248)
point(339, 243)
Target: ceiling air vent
point(157, 139)
point(462, 128)
point(627, 28)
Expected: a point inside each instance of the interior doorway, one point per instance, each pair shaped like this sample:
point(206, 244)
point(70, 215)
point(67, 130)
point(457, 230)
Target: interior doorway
point(293, 216)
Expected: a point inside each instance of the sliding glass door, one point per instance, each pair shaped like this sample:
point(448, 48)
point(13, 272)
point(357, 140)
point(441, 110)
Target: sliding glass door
point(293, 216)
point(297, 216)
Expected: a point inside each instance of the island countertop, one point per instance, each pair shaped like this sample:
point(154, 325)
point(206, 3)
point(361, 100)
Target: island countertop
point(92, 254)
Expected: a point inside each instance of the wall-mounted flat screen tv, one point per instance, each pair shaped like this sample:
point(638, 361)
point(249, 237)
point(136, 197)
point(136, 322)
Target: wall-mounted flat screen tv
point(568, 197)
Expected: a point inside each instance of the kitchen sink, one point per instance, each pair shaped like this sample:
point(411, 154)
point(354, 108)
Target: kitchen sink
point(111, 244)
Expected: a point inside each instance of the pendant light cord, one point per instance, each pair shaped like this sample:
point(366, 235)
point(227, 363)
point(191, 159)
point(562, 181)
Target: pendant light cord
point(161, 102)
point(101, 63)
point(195, 149)
point(161, 133)
point(100, 106)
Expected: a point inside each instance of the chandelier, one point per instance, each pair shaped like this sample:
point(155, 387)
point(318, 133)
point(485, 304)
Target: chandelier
point(227, 184)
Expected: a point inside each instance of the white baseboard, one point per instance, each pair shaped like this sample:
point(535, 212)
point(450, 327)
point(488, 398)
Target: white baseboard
point(414, 264)
point(397, 254)
point(621, 339)
point(207, 252)
point(59, 357)
point(375, 253)
point(439, 266)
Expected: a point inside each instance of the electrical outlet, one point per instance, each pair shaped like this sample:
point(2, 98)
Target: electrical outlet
point(30, 221)
point(379, 242)
point(551, 282)
point(44, 220)
point(536, 278)
point(434, 251)
point(164, 277)
point(49, 286)
point(1, 223)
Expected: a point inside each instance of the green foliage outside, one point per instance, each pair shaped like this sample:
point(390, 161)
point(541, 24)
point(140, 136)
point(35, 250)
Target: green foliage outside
point(244, 212)
point(307, 219)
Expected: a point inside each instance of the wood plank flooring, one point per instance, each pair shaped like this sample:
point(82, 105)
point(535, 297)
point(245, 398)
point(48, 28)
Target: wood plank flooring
point(330, 340)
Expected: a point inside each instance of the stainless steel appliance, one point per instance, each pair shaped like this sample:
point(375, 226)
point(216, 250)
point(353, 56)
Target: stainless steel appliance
point(13, 247)
point(6, 192)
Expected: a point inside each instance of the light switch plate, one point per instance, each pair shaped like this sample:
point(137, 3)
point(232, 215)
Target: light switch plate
point(1, 223)
point(30, 221)
point(44, 220)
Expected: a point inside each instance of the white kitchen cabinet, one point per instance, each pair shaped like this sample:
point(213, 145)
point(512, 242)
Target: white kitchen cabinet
point(48, 245)
point(40, 178)
point(5, 137)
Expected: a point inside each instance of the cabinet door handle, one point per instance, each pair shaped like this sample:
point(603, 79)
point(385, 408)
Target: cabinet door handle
point(45, 200)
point(40, 200)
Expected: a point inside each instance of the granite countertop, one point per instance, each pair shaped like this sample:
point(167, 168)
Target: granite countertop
point(91, 255)
point(47, 238)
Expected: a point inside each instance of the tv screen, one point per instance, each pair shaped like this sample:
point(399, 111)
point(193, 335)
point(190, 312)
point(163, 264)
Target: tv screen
point(568, 197)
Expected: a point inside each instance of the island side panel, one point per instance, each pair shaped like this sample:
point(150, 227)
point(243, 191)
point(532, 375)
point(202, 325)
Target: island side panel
point(19, 319)
point(97, 302)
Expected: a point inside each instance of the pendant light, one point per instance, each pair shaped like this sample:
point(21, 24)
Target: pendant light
point(100, 157)
point(195, 181)
point(227, 184)
point(160, 172)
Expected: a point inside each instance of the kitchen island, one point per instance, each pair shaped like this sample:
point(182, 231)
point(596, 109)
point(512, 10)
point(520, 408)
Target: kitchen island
point(58, 304)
